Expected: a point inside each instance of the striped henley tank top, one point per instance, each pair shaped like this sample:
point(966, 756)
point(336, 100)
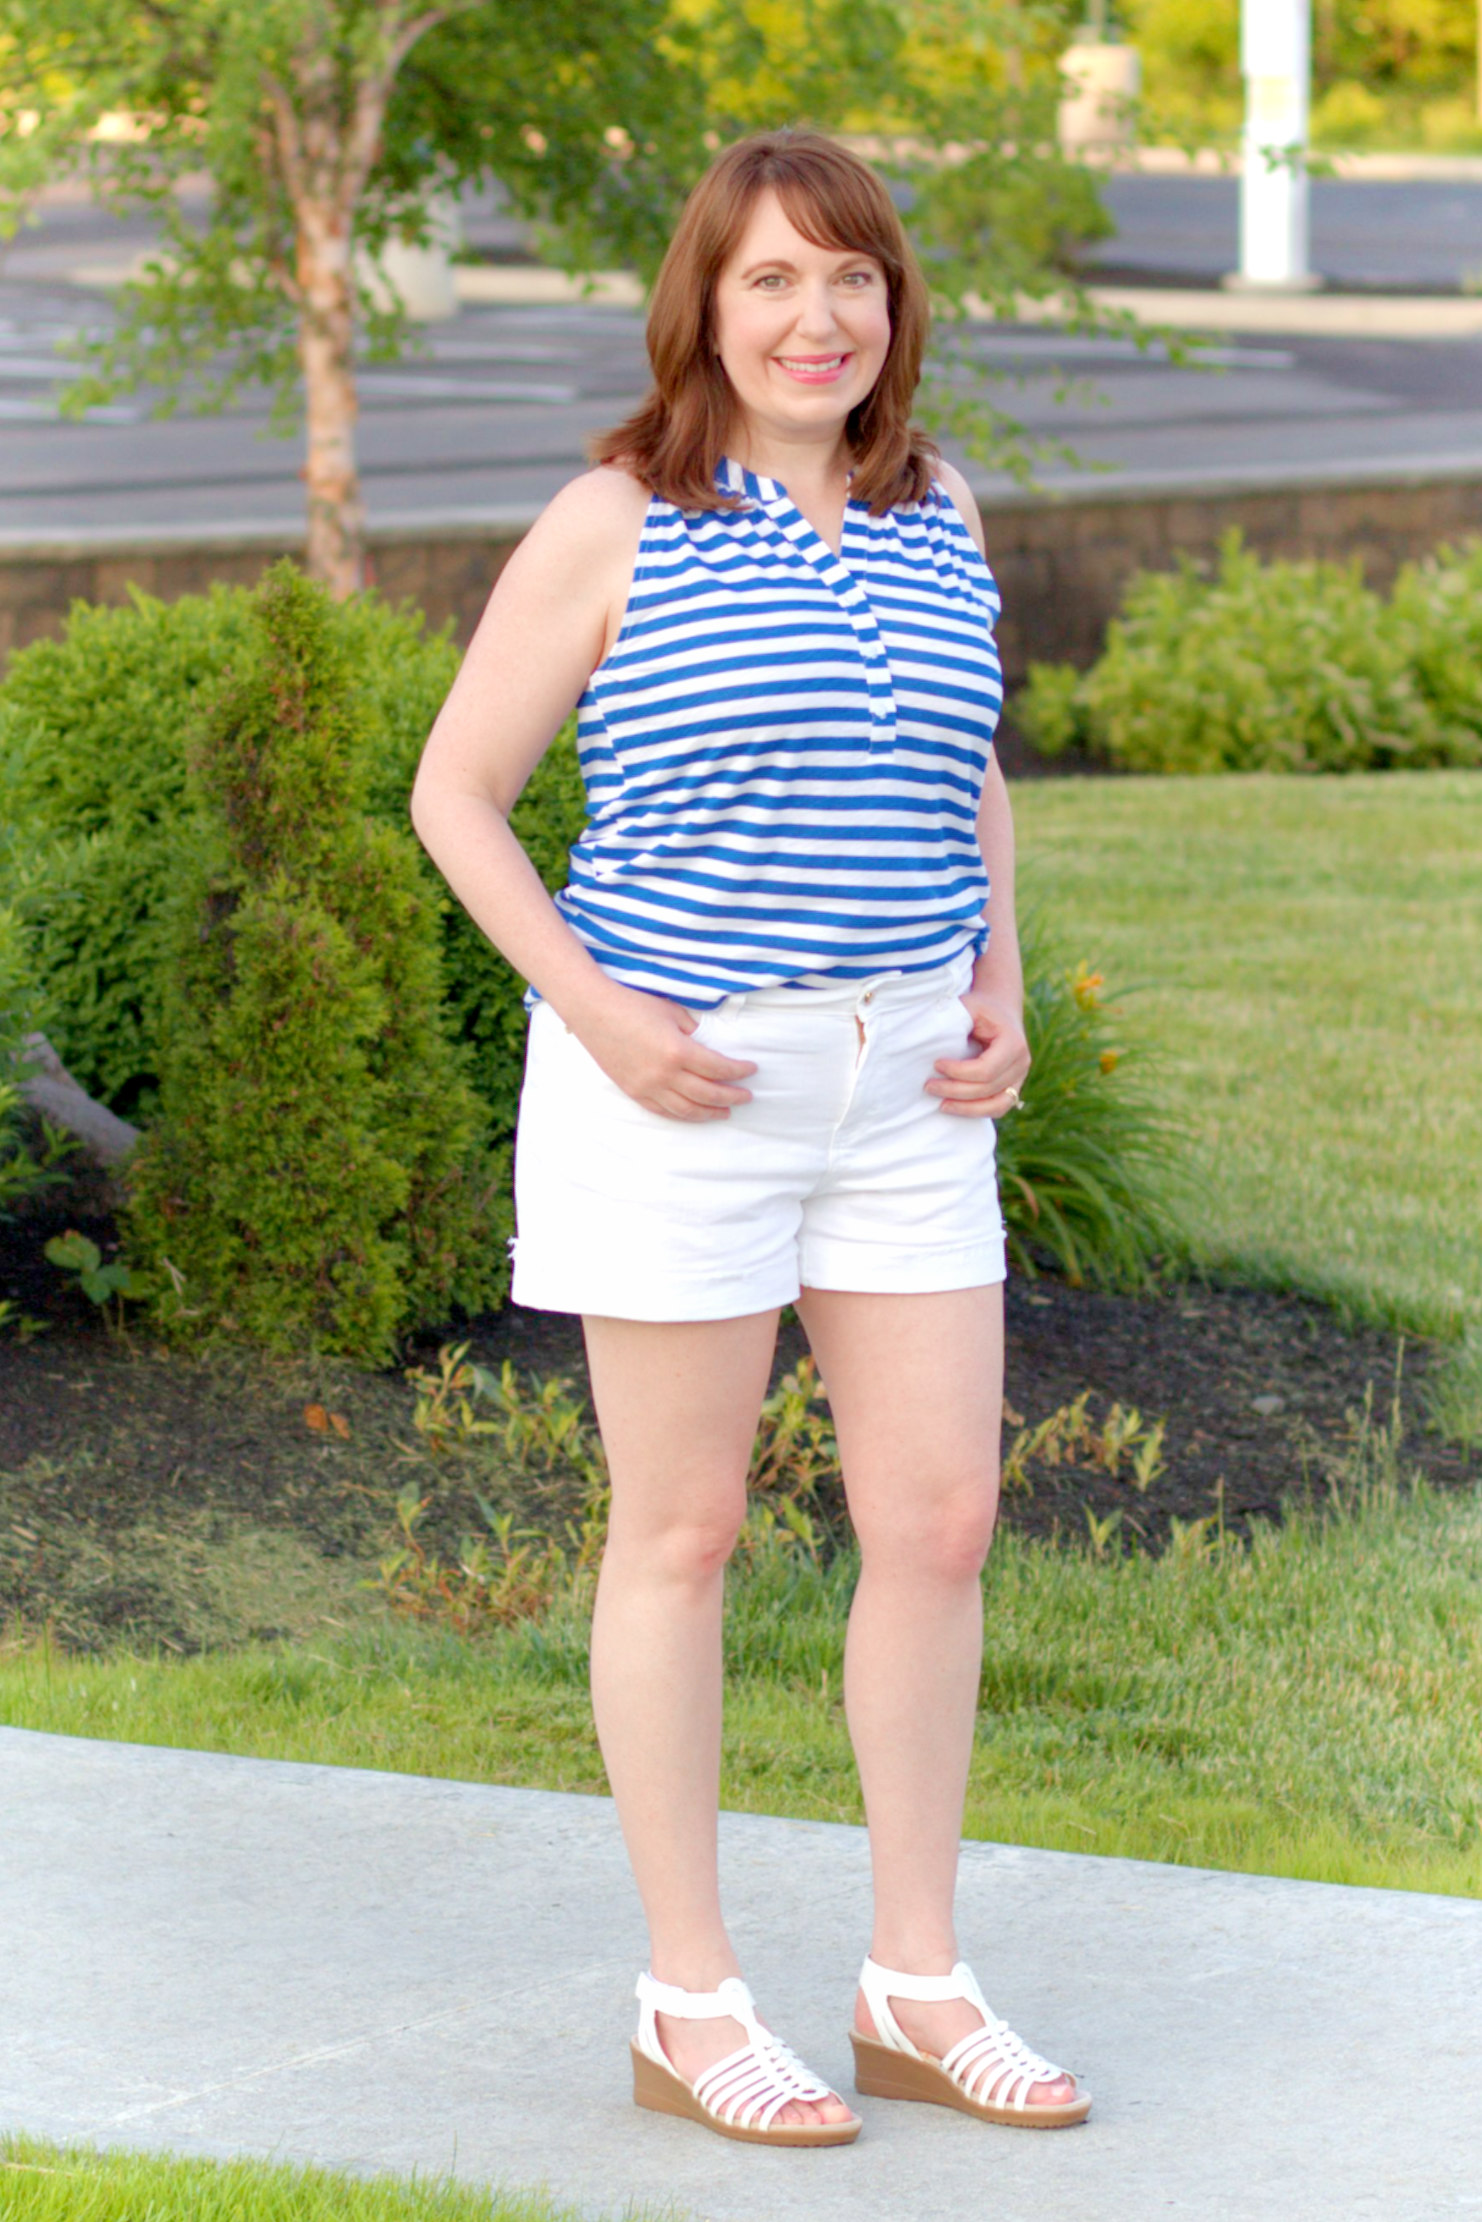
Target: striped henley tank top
point(784, 750)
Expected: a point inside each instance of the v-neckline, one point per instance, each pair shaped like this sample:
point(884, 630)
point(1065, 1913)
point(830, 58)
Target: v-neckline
point(787, 528)
point(773, 495)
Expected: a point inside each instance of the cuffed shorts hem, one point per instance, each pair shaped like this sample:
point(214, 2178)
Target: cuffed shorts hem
point(599, 1298)
point(856, 1272)
point(854, 1269)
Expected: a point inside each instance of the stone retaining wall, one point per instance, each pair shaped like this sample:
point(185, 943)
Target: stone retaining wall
point(1062, 563)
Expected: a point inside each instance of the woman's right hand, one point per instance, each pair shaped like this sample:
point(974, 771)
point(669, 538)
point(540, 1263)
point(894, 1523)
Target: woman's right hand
point(646, 1045)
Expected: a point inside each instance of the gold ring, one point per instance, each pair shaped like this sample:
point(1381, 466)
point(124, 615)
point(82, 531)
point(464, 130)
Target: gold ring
point(1013, 1095)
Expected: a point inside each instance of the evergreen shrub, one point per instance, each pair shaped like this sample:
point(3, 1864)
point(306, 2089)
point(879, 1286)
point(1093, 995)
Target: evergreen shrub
point(318, 1173)
point(93, 734)
point(1288, 667)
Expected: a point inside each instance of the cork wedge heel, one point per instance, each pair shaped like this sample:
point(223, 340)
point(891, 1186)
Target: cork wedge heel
point(740, 2096)
point(989, 2073)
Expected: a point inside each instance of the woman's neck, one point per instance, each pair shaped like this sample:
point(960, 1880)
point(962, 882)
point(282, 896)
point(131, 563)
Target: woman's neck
point(811, 467)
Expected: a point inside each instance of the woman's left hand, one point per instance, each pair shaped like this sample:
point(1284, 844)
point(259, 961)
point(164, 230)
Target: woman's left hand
point(987, 1084)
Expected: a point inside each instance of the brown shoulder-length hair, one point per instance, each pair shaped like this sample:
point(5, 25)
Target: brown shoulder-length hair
point(673, 443)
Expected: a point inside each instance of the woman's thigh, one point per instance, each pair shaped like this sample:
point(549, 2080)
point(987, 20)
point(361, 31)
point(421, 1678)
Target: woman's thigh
point(677, 1403)
point(915, 1384)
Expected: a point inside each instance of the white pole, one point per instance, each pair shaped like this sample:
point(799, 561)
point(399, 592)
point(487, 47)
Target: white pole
point(1275, 60)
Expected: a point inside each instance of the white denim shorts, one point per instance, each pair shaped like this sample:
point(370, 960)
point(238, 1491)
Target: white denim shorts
point(840, 1173)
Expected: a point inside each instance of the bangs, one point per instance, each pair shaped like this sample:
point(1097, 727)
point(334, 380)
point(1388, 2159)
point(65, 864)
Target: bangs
point(829, 218)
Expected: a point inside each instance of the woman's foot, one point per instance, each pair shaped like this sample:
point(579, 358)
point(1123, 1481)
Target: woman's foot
point(934, 2028)
point(693, 2046)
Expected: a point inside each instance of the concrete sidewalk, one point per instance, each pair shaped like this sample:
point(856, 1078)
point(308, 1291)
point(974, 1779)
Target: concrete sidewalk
point(235, 1956)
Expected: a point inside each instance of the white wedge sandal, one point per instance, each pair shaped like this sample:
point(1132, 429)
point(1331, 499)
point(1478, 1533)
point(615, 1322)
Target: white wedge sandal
point(741, 2095)
point(989, 2073)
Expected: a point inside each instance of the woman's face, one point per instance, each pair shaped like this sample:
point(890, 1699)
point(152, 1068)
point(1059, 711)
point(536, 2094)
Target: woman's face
point(802, 331)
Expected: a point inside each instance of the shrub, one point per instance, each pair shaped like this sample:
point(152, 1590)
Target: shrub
point(1350, 115)
point(318, 1174)
point(1292, 667)
point(1087, 1162)
point(18, 1015)
point(93, 735)
point(1436, 611)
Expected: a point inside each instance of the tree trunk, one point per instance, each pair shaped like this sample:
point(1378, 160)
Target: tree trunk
point(336, 511)
point(324, 145)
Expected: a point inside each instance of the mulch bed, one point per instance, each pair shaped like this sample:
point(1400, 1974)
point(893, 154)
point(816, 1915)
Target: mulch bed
point(1260, 1393)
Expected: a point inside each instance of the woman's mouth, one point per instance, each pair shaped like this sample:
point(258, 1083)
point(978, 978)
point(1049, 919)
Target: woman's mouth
point(813, 370)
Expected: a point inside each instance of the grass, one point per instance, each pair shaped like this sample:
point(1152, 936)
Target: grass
point(1309, 952)
point(51, 2183)
point(1305, 1705)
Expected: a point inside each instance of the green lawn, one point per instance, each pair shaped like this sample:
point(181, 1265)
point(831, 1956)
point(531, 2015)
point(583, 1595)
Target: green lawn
point(1307, 1706)
point(1311, 957)
point(49, 2183)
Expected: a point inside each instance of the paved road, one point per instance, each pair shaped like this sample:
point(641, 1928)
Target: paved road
point(492, 417)
point(1364, 231)
point(241, 1956)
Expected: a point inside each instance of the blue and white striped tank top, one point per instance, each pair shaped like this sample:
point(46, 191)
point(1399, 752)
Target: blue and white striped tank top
point(785, 749)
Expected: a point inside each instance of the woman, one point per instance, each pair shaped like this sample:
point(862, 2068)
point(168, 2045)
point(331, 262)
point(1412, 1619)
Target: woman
point(775, 1014)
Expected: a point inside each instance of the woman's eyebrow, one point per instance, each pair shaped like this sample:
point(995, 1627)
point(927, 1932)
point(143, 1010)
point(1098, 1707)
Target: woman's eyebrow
point(780, 262)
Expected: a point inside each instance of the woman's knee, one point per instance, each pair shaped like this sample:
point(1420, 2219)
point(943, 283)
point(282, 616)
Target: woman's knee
point(944, 1538)
point(690, 1547)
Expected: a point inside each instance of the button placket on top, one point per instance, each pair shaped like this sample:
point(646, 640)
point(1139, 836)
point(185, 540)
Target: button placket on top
point(788, 523)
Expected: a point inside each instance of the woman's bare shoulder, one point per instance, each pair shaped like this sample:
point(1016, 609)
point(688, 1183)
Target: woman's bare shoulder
point(604, 505)
point(583, 542)
point(956, 487)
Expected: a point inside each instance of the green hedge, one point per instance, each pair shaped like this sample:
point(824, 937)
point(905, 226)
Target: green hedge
point(318, 1174)
point(1291, 667)
point(94, 729)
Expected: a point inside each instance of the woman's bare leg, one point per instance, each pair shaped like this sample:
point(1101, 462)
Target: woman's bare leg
point(916, 1386)
point(677, 1405)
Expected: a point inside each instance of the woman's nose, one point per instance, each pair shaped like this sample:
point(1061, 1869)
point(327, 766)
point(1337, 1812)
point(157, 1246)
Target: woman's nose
point(815, 317)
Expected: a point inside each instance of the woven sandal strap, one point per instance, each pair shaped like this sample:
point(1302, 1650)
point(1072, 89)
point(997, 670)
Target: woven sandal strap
point(749, 2088)
point(993, 2063)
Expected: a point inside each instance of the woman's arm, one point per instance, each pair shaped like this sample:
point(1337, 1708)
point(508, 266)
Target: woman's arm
point(550, 620)
point(973, 1086)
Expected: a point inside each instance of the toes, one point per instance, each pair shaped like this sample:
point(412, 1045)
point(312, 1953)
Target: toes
point(814, 2113)
point(1059, 2093)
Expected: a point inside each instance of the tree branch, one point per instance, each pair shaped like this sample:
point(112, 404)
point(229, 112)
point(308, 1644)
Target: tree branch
point(371, 102)
point(289, 140)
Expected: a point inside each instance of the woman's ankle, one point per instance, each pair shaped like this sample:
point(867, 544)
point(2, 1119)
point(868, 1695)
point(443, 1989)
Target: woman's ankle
point(693, 1967)
point(915, 1951)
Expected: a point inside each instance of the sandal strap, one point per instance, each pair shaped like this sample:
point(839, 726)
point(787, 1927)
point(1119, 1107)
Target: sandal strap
point(992, 2064)
point(996, 2067)
point(732, 2001)
point(881, 1984)
point(749, 2087)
